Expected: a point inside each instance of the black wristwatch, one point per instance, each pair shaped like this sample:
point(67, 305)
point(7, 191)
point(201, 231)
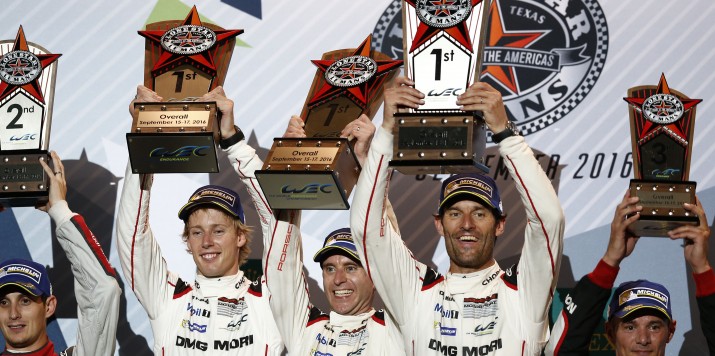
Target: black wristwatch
point(510, 130)
point(234, 139)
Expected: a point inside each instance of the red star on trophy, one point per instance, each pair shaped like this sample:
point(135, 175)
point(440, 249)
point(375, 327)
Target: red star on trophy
point(23, 66)
point(442, 7)
point(458, 31)
point(189, 34)
point(662, 124)
point(363, 90)
point(677, 128)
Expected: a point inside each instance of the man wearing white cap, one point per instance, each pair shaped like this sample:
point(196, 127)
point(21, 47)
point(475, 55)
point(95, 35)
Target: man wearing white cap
point(477, 308)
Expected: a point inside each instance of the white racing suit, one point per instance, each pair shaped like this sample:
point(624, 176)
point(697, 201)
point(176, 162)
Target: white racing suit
point(305, 329)
point(489, 312)
point(95, 284)
point(211, 316)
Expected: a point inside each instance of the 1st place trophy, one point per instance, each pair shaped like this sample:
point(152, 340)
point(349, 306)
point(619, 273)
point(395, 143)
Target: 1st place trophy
point(443, 46)
point(662, 121)
point(319, 171)
point(183, 61)
point(27, 87)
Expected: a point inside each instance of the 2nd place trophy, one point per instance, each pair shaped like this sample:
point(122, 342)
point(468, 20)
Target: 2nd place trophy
point(320, 171)
point(662, 121)
point(183, 61)
point(443, 46)
point(27, 86)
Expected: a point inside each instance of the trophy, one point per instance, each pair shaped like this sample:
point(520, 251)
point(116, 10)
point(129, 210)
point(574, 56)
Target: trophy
point(442, 59)
point(319, 171)
point(183, 61)
point(662, 122)
point(27, 91)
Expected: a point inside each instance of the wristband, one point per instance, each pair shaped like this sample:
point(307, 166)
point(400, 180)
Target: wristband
point(234, 139)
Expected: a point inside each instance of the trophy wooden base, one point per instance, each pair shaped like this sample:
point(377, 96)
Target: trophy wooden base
point(662, 203)
point(193, 152)
point(309, 174)
point(438, 143)
point(23, 181)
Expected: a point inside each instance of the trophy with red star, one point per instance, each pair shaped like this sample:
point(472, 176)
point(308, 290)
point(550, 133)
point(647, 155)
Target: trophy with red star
point(662, 121)
point(443, 43)
point(319, 171)
point(27, 92)
point(183, 61)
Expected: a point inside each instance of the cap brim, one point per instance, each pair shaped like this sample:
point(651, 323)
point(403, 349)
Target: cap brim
point(328, 251)
point(459, 196)
point(621, 314)
point(189, 207)
point(32, 291)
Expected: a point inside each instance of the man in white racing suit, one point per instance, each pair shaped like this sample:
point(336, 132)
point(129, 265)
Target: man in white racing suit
point(353, 326)
point(26, 297)
point(221, 312)
point(476, 308)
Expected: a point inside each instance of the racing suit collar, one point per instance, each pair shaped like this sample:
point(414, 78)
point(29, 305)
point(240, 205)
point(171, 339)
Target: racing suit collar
point(47, 350)
point(350, 322)
point(219, 286)
point(458, 283)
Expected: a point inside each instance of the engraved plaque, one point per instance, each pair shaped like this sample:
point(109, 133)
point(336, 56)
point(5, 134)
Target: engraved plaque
point(309, 174)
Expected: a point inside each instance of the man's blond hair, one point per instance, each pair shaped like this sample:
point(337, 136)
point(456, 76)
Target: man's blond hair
point(240, 228)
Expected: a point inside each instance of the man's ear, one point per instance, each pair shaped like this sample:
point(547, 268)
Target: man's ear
point(438, 224)
point(611, 331)
point(241, 239)
point(672, 330)
point(501, 223)
point(50, 306)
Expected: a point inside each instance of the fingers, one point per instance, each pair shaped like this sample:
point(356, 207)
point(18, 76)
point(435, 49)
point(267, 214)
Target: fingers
point(403, 96)
point(216, 93)
point(145, 94)
point(57, 163)
point(57, 184)
point(692, 232)
point(478, 96)
point(361, 129)
point(629, 205)
point(50, 173)
point(295, 128)
point(399, 81)
point(483, 97)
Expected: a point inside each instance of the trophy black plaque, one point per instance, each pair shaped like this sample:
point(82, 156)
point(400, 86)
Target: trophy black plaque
point(183, 61)
point(27, 86)
point(662, 121)
point(443, 46)
point(319, 172)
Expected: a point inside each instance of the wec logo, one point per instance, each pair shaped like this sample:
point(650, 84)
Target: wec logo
point(312, 188)
point(446, 92)
point(185, 151)
point(665, 172)
point(25, 137)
